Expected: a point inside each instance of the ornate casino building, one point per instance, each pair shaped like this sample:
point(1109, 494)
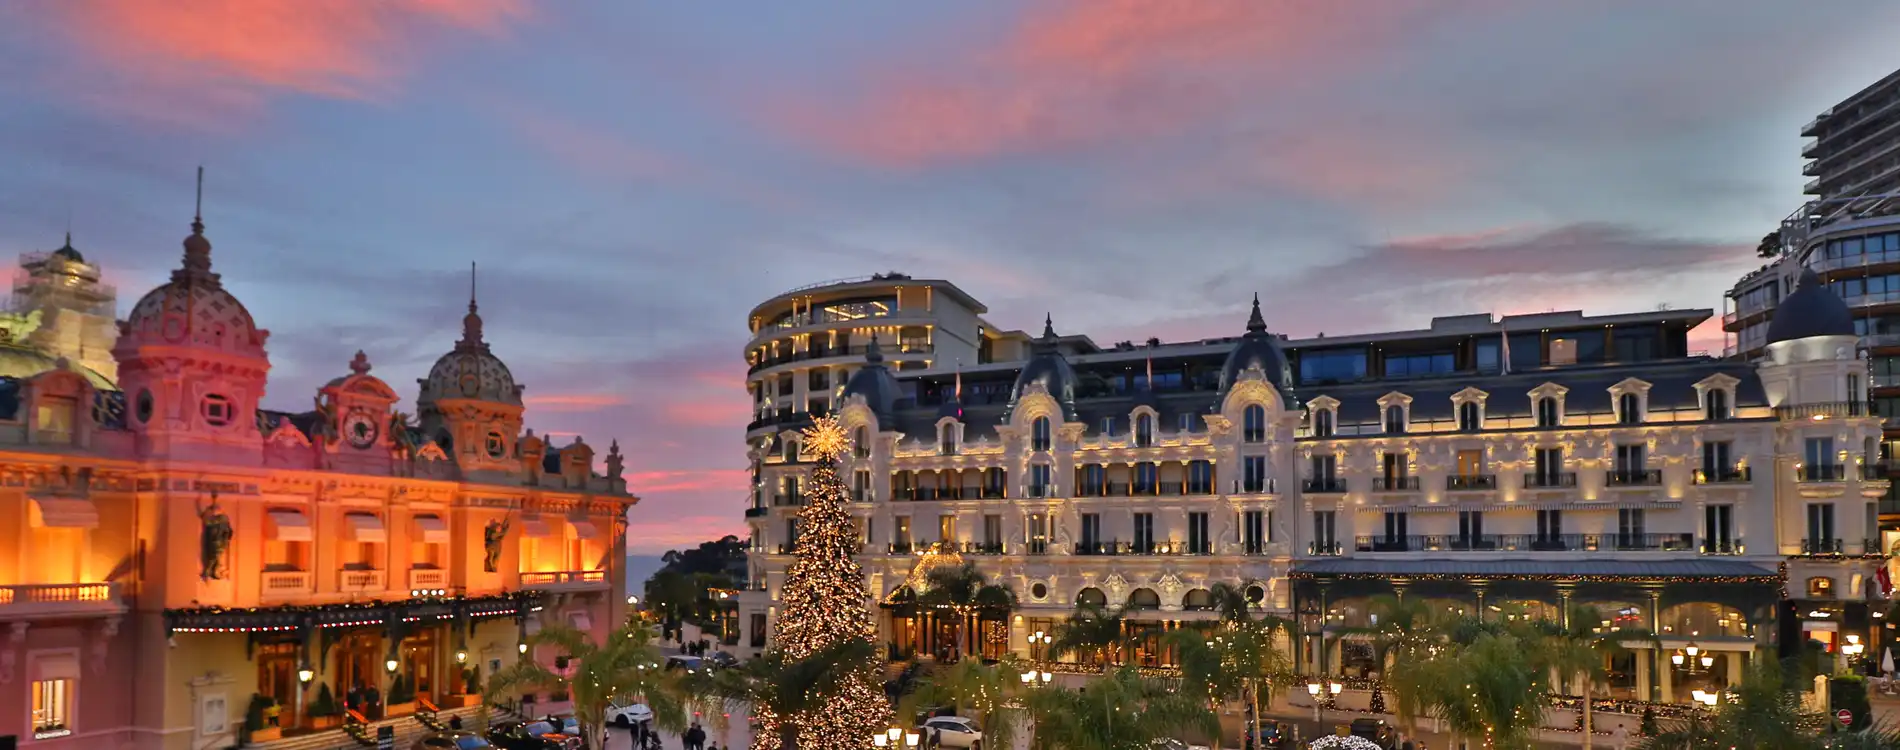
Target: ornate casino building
point(180, 561)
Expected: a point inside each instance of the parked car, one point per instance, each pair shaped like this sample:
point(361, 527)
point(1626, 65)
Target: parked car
point(450, 741)
point(533, 735)
point(953, 731)
point(691, 664)
point(628, 715)
point(1169, 743)
point(721, 660)
point(569, 725)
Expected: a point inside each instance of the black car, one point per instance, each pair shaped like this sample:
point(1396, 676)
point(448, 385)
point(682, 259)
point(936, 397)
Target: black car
point(450, 741)
point(533, 735)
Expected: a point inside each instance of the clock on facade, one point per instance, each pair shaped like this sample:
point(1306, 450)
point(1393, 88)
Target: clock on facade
point(359, 427)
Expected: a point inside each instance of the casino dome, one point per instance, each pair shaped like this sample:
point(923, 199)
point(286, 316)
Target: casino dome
point(194, 309)
point(875, 383)
point(1811, 310)
point(470, 370)
point(1047, 367)
point(1260, 350)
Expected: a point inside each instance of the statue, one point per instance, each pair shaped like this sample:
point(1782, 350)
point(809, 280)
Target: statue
point(616, 464)
point(492, 535)
point(214, 538)
point(400, 435)
point(324, 430)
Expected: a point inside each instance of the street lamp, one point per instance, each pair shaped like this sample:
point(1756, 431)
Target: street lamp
point(390, 665)
point(305, 674)
point(878, 740)
point(461, 657)
point(1312, 689)
point(910, 739)
point(1037, 642)
point(521, 648)
point(894, 734)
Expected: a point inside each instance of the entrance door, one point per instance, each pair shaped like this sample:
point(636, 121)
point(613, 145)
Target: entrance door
point(1470, 463)
point(359, 666)
point(277, 680)
point(418, 663)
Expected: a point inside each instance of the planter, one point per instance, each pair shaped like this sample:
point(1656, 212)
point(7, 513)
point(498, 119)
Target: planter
point(462, 701)
point(325, 722)
point(267, 734)
point(399, 709)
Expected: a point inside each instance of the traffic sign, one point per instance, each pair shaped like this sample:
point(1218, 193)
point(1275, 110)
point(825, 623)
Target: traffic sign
point(1845, 716)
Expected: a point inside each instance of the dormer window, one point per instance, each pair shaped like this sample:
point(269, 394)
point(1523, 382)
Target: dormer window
point(1253, 424)
point(1144, 431)
point(1323, 423)
point(861, 442)
point(1547, 413)
point(790, 448)
point(947, 441)
point(1394, 419)
point(1715, 405)
point(1629, 409)
point(1039, 436)
point(1469, 417)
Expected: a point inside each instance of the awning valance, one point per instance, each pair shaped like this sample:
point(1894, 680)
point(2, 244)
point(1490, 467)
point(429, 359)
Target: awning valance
point(287, 525)
point(365, 527)
point(431, 529)
point(535, 528)
point(65, 513)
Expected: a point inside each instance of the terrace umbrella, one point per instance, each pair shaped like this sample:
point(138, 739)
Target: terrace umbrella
point(1886, 661)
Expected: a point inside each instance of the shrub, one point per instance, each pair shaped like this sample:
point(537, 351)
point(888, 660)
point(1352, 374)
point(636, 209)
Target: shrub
point(472, 680)
point(325, 703)
point(400, 691)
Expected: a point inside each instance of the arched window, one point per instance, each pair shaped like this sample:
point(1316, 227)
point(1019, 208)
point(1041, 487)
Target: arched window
point(1629, 409)
point(1144, 431)
point(1323, 423)
point(1715, 404)
point(1394, 419)
point(1039, 439)
point(1253, 424)
point(791, 449)
point(1468, 418)
point(1547, 412)
point(947, 442)
point(861, 442)
point(1141, 599)
point(1091, 597)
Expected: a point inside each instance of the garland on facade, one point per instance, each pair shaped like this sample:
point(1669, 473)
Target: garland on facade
point(823, 605)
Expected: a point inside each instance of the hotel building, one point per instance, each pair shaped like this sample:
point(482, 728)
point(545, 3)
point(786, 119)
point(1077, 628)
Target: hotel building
point(1499, 467)
point(178, 551)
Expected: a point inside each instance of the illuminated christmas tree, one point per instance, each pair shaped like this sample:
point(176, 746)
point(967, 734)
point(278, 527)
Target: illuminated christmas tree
point(822, 604)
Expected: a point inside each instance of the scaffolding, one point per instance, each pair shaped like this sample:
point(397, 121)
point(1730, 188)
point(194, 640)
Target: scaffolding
point(60, 281)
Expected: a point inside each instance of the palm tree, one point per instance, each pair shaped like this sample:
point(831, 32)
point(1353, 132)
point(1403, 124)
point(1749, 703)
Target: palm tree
point(1489, 690)
point(1092, 630)
point(775, 685)
point(1120, 711)
point(1231, 659)
point(626, 664)
point(1578, 648)
point(966, 593)
point(990, 693)
point(1402, 632)
point(1765, 712)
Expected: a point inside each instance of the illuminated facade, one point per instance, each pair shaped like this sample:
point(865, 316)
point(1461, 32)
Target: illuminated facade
point(1498, 467)
point(177, 549)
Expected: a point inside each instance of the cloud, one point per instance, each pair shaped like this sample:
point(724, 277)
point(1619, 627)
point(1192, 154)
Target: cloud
point(610, 155)
point(546, 403)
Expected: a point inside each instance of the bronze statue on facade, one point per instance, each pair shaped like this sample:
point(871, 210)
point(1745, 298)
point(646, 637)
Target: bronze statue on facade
point(214, 539)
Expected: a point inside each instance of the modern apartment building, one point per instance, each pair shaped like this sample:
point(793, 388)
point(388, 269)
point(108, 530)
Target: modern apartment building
point(1855, 149)
point(1503, 467)
point(176, 551)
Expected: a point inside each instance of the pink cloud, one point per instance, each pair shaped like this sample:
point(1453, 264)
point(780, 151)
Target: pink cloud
point(646, 483)
point(572, 402)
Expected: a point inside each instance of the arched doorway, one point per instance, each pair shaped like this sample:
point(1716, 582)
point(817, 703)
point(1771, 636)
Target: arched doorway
point(1091, 597)
point(1141, 600)
point(1198, 600)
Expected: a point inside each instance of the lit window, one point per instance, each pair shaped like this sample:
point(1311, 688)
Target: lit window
point(1254, 424)
point(218, 410)
point(52, 708)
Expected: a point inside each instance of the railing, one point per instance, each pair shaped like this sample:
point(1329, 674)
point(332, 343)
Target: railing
point(898, 548)
point(1875, 471)
point(1729, 475)
point(755, 512)
point(887, 350)
point(1323, 549)
point(1158, 489)
point(1633, 478)
point(787, 501)
point(565, 580)
point(428, 579)
point(1721, 547)
point(283, 583)
point(1471, 482)
point(1243, 487)
point(359, 581)
point(1323, 485)
point(1550, 480)
point(1821, 547)
point(1828, 410)
point(35, 599)
point(1394, 484)
point(1527, 543)
point(1036, 547)
point(980, 548)
point(1821, 473)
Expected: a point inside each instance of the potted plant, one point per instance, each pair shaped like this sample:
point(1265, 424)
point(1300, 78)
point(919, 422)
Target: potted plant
point(471, 686)
point(259, 719)
point(401, 700)
point(324, 712)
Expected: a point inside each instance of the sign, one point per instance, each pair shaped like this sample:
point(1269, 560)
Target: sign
point(386, 738)
point(1845, 716)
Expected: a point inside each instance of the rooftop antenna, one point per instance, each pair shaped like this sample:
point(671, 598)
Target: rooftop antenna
point(198, 211)
point(471, 286)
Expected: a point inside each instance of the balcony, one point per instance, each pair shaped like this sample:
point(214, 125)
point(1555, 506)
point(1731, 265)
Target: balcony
point(565, 580)
point(1550, 480)
point(360, 581)
point(428, 579)
point(1257, 486)
point(1395, 484)
point(1471, 482)
point(895, 548)
point(31, 601)
point(1875, 471)
point(1729, 475)
point(755, 512)
point(1633, 478)
point(1828, 410)
point(1822, 547)
point(787, 501)
point(1820, 473)
point(1721, 547)
point(1324, 485)
point(1323, 549)
point(889, 351)
point(284, 584)
point(1528, 543)
point(980, 548)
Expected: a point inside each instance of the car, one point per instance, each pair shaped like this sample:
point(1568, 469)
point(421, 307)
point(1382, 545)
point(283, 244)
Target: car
point(627, 715)
point(450, 741)
point(953, 731)
point(721, 660)
point(569, 725)
point(1169, 743)
point(690, 664)
point(532, 735)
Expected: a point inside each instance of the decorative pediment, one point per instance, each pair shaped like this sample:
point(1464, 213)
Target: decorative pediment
point(1470, 395)
point(1395, 398)
point(1548, 390)
point(1251, 390)
point(431, 451)
point(1322, 403)
point(1718, 382)
point(1630, 385)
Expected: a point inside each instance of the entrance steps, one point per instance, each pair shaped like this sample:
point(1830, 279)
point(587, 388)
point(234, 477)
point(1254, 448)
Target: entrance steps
point(408, 728)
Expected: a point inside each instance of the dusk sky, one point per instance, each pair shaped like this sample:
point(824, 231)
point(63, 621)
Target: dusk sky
point(633, 176)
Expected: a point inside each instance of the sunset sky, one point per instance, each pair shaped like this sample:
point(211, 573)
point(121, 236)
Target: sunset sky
point(633, 176)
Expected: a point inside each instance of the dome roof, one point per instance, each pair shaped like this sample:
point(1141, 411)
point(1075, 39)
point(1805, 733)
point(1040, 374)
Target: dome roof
point(875, 383)
point(1811, 310)
point(1258, 349)
point(1049, 368)
point(66, 251)
point(470, 370)
point(193, 309)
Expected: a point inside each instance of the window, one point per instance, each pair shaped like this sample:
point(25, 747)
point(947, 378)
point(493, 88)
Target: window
point(218, 411)
point(1715, 404)
point(1417, 365)
point(1853, 388)
point(1820, 529)
point(1547, 415)
point(1091, 529)
point(758, 630)
point(1395, 468)
point(1253, 424)
point(1550, 527)
point(1094, 480)
point(1145, 533)
point(1629, 528)
point(1323, 423)
point(1395, 528)
point(861, 443)
point(1468, 418)
point(1254, 473)
point(788, 450)
point(1394, 419)
point(947, 529)
point(1147, 478)
point(791, 533)
point(52, 708)
point(1039, 434)
point(1487, 356)
point(1820, 464)
point(861, 486)
point(1253, 531)
point(1629, 409)
point(947, 442)
point(1200, 477)
point(1144, 431)
point(1471, 530)
point(1108, 426)
point(1549, 467)
point(995, 483)
point(1198, 541)
point(1324, 543)
point(1187, 422)
point(1631, 462)
point(993, 532)
point(1337, 366)
point(1039, 485)
point(1717, 530)
point(900, 533)
point(1038, 533)
point(1325, 469)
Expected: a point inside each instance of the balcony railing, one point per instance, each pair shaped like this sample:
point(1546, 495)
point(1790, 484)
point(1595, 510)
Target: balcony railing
point(565, 580)
point(1729, 475)
point(428, 579)
point(1550, 480)
point(754, 512)
point(787, 501)
point(888, 350)
point(1324, 485)
point(1244, 487)
point(1821, 473)
point(1527, 543)
point(360, 581)
point(1875, 471)
point(898, 548)
point(277, 584)
point(59, 599)
point(1722, 546)
point(1394, 484)
point(1822, 547)
point(1471, 482)
point(1159, 489)
point(1323, 549)
point(1829, 410)
point(1633, 477)
point(980, 548)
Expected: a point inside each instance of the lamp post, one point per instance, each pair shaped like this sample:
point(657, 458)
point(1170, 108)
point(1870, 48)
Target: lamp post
point(1038, 642)
point(1312, 689)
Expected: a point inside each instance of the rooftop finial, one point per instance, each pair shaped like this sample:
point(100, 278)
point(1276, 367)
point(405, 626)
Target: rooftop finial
point(472, 322)
point(198, 210)
point(1048, 326)
point(197, 265)
point(471, 286)
point(873, 354)
point(1255, 323)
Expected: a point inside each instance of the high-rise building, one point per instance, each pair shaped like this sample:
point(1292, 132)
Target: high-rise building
point(1856, 146)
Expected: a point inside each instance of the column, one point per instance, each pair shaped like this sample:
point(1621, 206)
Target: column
point(1477, 589)
point(1656, 655)
point(1642, 672)
point(1564, 590)
point(1734, 659)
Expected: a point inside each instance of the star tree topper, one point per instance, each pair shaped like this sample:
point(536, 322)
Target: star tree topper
point(826, 438)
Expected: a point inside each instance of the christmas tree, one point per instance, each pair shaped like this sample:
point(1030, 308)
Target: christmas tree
point(822, 604)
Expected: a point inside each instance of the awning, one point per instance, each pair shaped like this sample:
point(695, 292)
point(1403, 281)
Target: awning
point(584, 529)
point(1712, 571)
point(287, 525)
point(580, 621)
point(364, 527)
point(431, 529)
point(65, 513)
point(535, 528)
point(55, 667)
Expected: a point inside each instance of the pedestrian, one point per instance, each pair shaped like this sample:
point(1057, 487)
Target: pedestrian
point(694, 738)
point(455, 723)
point(1620, 737)
point(639, 735)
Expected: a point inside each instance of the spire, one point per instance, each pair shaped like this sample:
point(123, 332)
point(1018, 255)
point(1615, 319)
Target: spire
point(472, 322)
point(1048, 326)
point(197, 265)
point(1255, 323)
point(872, 354)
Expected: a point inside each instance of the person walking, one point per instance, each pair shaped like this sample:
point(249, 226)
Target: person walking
point(455, 723)
point(1620, 737)
point(694, 738)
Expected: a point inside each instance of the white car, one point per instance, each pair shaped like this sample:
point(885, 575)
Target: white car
point(953, 731)
point(1169, 743)
point(626, 716)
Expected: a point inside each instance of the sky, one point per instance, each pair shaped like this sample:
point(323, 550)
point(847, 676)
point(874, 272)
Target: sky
point(632, 177)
